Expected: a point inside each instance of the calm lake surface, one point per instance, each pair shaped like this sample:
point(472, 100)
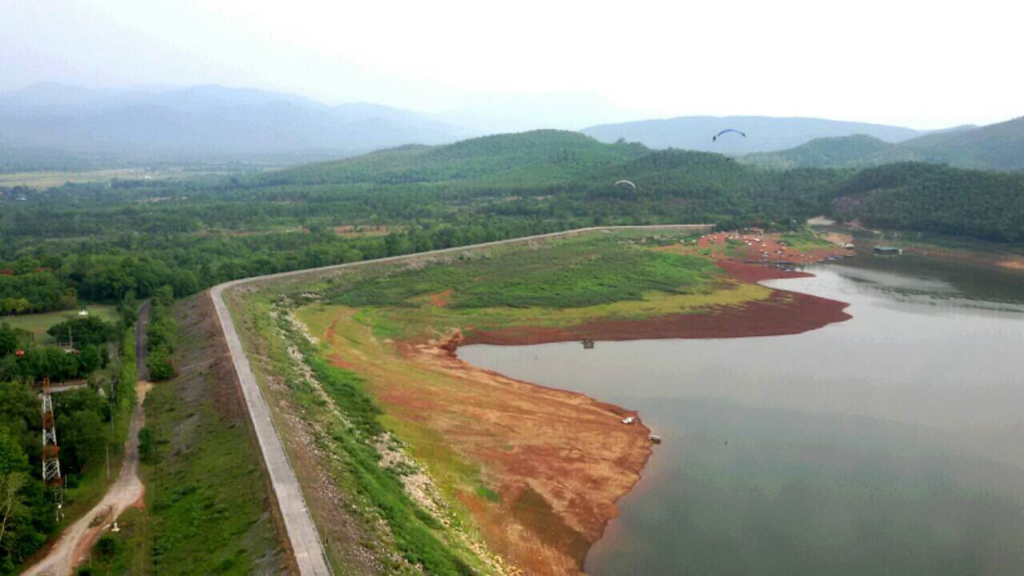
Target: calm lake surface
point(892, 443)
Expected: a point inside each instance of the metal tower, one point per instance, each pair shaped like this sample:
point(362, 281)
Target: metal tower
point(51, 465)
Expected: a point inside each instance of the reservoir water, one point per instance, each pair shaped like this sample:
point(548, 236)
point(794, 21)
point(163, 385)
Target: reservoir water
point(892, 443)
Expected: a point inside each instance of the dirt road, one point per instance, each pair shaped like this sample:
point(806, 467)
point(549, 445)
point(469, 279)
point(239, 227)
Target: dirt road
point(127, 491)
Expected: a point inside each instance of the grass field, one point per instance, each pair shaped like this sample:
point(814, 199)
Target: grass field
point(49, 179)
point(562, 284)
point(38, 324)
point(564, 274)
point(41, 180)
point(805, 240)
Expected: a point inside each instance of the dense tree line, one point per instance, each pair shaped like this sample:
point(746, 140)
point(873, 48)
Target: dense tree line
point(930, 198)
point(37, 290)
point(161, 336)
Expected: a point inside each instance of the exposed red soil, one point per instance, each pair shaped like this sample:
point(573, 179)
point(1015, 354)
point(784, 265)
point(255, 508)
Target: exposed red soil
point(558, 460)
point(782, 313)
point(441, 299)
point(84, 547)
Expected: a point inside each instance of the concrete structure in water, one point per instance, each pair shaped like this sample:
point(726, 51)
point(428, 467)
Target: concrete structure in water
point(888, 250)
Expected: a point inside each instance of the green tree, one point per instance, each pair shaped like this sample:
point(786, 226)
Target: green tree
point(160, 365)
point(13, 478)
point(147, 445)
point(8, 339)
point(90, 359)
point(48, 362)
point(128, 307)
point(84, 331)
point(84, 436)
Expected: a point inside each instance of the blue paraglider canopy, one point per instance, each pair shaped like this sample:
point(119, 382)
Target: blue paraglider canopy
point(726, 131)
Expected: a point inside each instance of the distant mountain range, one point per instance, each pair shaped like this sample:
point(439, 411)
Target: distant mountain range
point(200, 123)
point(53, 126)
point(763, 134)
point(994, 147)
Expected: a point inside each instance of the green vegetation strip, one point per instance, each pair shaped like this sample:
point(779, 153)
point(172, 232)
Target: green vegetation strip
point(564, 274)
point(415, 531)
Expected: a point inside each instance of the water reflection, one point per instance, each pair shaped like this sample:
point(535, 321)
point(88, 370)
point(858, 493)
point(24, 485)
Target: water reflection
point(888, 444)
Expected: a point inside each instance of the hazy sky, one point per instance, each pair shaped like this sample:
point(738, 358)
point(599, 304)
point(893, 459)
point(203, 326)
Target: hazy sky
point(920, 64)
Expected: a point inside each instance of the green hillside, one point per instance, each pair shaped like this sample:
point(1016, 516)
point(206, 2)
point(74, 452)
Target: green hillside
point(711, 187)
point(997, 146)
point(932, 198)
point(994, 147)
point(841, 152)
point(565, 174)
point(540, 157)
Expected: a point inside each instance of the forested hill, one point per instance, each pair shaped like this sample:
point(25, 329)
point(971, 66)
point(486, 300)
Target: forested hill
point(998, 146)
point(717, 189)
point(673, 185)
point(856, 151)
point(995, 147)
point(927, 197)
point(540, 157)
